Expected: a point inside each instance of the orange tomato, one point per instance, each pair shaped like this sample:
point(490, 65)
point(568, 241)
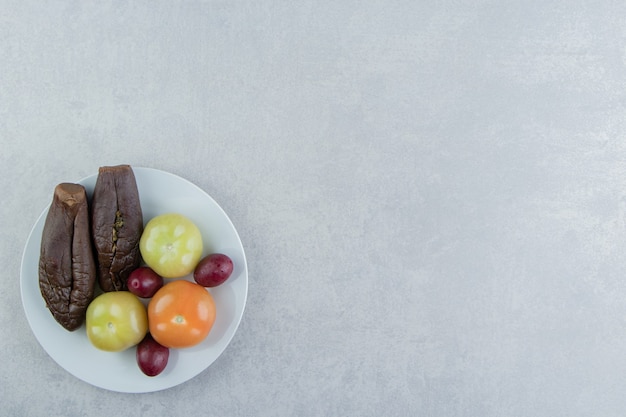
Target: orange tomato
point(181, 314)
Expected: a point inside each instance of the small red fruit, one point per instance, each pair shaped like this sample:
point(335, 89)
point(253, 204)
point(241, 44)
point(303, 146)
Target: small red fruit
point(213, 270)
point(152, 357)
point(144, 282)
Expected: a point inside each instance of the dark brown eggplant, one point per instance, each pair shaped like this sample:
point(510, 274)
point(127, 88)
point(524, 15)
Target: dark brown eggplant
point(67, 267)
point(117, 224)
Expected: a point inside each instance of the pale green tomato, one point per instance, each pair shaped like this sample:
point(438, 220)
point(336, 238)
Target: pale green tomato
point(171, 245)
point(116, 321)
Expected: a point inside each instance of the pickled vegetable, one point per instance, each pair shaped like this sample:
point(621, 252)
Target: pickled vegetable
point(117, 224)
point(67, 268)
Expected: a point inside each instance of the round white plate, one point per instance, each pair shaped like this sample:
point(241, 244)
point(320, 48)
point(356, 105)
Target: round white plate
point(160, 192)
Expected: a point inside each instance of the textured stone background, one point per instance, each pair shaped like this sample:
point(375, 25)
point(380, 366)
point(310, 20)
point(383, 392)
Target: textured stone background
point(431, 194)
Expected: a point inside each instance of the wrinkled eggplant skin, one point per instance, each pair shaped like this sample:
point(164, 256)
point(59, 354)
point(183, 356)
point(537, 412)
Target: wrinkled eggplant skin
point(67, 267)
point(117, 224)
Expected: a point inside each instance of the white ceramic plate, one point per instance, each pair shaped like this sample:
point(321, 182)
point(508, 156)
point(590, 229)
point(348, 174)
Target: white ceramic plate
point(160, 192)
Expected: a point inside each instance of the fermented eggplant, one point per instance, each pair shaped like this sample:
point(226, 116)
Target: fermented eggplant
point(116, 224)
point(67, 268)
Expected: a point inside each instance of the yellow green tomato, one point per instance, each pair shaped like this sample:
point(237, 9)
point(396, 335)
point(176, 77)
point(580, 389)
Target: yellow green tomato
point(171, 244)
point(116, 321)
